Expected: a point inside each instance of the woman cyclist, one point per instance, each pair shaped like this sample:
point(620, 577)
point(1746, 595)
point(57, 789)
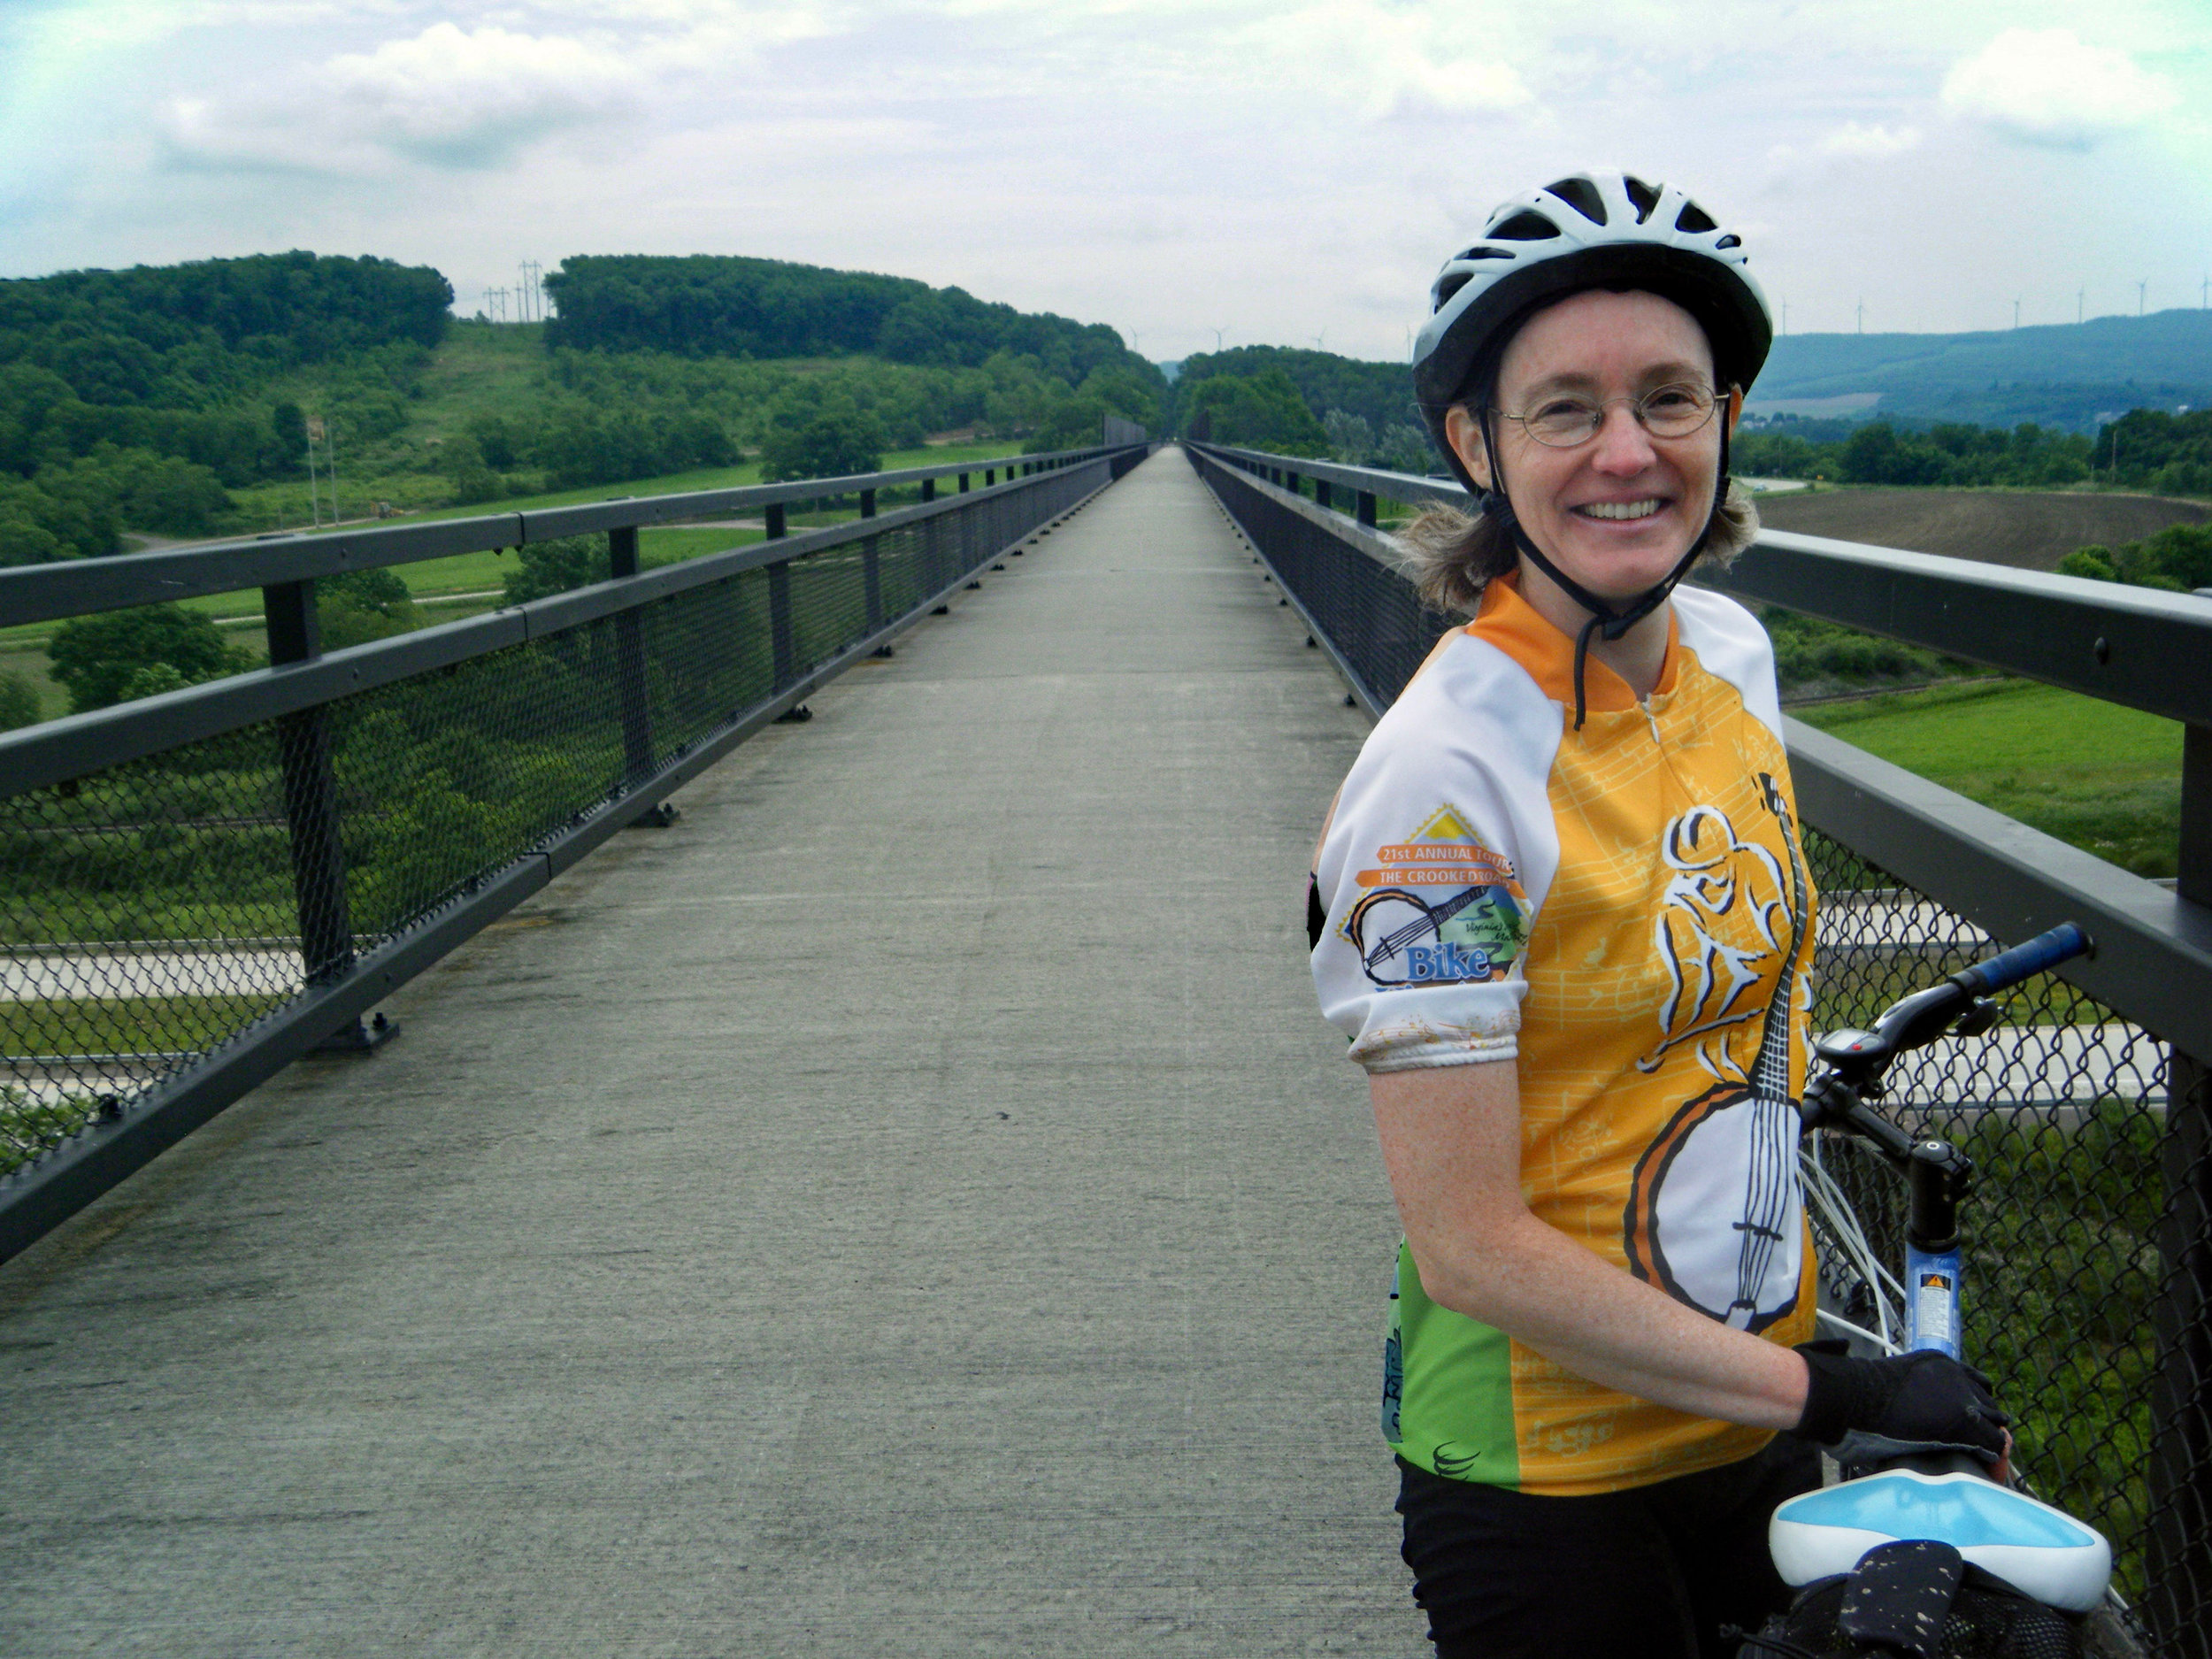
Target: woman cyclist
point(1562, 913)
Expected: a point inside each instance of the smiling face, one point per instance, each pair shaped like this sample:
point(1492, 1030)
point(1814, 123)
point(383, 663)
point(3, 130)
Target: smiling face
point(1617, 512)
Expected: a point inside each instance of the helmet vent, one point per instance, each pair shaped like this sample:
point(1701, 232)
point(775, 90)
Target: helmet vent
point(1730, 241)
point(1641, 196)
point(1450, 286)
point(1580, 194)
point(1694, 220)
point(1525, 226)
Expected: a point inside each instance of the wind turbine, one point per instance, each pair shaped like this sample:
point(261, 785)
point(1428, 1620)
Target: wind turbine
point(1218, 334)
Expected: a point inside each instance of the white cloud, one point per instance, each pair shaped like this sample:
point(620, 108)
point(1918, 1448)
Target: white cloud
point(1871, 142)
point(2048, 87)
point(449, 96)
point(1381, 59)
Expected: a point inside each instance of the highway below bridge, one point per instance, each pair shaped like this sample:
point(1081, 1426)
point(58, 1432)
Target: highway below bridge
point(908, 1206)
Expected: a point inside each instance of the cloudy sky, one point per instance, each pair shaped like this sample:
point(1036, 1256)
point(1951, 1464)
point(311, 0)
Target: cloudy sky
point(1287, 172)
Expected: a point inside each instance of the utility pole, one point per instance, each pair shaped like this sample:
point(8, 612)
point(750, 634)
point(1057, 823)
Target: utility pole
point(314, 501)
point(2142, 292)
point(2015, 313)
point(1861, 316)
point(2081, 298)
point(330, 455)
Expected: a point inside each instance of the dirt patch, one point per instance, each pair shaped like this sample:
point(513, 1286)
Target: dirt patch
point(2028, 529)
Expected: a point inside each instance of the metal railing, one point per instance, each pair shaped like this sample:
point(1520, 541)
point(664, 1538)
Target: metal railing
point(2088, 1116)
point(201, 886)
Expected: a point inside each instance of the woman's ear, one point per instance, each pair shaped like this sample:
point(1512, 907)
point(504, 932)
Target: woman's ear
point(1466, 437)
point(1735, 408)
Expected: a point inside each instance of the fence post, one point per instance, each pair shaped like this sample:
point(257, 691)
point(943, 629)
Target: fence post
point(929, 489)
point(311, 808)
point(963, 483)
point(629, 665)
point(780, 633)
point(1367, 508)
point(1320, 492)
point(773, 517)
point(867, 503)
point(2178, 1604)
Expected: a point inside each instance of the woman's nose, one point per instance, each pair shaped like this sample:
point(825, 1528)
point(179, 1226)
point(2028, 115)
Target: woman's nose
point(1623, 445)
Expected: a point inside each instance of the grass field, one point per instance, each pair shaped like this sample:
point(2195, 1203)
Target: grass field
point(2106, 780)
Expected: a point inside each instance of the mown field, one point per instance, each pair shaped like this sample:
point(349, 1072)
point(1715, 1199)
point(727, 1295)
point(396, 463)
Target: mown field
point(2027, 529)
point(2105, 779)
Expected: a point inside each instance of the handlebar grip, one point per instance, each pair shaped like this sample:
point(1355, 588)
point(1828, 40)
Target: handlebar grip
point(2045, 951)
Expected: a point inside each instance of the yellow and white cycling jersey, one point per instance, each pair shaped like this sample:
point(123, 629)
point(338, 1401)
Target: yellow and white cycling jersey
point(1623, 912)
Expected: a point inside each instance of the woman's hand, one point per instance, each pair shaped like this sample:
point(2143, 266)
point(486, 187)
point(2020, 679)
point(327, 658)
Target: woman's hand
point(1451, 1143)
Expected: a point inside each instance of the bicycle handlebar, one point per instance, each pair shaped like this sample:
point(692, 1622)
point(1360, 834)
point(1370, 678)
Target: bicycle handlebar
point(2039, 955)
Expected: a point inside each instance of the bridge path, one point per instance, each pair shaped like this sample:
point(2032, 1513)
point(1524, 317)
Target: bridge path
point(909, 1206)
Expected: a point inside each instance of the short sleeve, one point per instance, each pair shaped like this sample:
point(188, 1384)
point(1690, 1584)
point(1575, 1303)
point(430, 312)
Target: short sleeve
point(1433, 866)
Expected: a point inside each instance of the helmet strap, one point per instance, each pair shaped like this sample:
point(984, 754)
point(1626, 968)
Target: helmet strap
point(1608, 620)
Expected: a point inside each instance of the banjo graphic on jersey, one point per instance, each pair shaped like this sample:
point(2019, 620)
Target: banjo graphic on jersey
point(1730, 914)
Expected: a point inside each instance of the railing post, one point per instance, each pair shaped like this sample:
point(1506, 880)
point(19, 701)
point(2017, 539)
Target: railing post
point(1292, 481)
point(2178, 1603)
point(780, 633)
point(1367, 508)
point(629, 665)
point(1320, 492)
point(867, 503)
point(990, 476)
point(963, 483)
point(775, 520)
point(929, 489)
point(311, 795)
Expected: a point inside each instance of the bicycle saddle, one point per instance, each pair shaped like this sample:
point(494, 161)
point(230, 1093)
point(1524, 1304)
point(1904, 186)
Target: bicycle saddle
point(2041, 1552)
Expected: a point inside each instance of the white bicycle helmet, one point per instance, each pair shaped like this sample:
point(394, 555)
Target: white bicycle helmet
point(1593, 230)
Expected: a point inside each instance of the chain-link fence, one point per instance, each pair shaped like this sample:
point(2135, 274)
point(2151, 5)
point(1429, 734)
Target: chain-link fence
point(168, 910)
point(2089, 1237)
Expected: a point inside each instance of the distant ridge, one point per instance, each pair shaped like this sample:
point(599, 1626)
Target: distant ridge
point(2067, 374)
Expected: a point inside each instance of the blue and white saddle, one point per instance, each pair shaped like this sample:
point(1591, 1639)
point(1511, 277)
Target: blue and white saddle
point(2042, 1552)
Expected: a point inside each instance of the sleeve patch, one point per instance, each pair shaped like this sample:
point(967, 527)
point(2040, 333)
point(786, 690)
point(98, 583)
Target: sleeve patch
point(1437, 908)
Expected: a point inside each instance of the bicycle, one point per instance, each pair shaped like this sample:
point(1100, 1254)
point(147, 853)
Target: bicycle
point(1927, 1553)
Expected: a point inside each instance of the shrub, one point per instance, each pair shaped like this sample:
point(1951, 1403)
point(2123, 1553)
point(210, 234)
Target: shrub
point(95, 658)
point(19, 702)
point(828, 446)
point(554, 567)
point(355, 607)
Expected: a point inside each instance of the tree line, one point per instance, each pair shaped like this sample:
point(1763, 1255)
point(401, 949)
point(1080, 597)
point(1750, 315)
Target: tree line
point(714, 306)
point(137, 397)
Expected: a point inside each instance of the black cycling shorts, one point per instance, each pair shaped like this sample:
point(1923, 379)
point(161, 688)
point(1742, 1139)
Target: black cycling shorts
point(1650, 1573)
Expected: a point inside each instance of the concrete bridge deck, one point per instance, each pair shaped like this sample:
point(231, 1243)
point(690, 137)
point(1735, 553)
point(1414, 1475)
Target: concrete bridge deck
point(909, 1207)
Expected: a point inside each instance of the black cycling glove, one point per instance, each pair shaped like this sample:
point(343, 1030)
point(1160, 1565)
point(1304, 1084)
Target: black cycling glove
point(1909, 1402)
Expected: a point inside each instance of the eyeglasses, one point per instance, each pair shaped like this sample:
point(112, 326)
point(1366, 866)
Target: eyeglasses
point(1567, 422)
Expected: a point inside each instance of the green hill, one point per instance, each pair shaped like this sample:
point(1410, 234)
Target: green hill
point(178, 400)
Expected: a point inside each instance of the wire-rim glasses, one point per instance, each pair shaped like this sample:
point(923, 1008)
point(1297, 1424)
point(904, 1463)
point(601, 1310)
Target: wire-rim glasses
point(1567, 421)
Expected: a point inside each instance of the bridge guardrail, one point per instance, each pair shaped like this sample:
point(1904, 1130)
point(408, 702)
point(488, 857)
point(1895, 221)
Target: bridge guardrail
point(204, 885)
point(2095, 1127)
